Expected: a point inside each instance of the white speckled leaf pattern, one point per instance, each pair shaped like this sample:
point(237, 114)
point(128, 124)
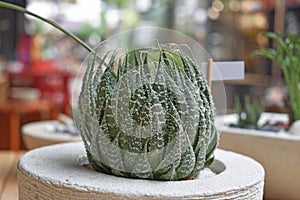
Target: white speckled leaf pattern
point(147, 113)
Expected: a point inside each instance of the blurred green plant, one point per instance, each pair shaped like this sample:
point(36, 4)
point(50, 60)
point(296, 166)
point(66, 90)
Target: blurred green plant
point(249, 114)
point(287, 56)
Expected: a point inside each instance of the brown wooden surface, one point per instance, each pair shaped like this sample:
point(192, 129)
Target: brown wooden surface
point(15, 113)
point(8, 174)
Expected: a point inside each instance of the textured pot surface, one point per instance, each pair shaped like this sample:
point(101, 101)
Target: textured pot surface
point(277, 152)
point(53, 172)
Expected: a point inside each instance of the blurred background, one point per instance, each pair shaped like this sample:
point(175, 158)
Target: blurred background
point(39, 63)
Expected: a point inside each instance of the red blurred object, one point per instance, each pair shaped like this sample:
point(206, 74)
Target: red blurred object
point(14, 113)
point(51, 81)
point(43, 66)
point(270, 4)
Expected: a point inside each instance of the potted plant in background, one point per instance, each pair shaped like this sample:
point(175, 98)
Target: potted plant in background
point(249, 114)
point(287, 56)
point(277, 151)
point(144, 112)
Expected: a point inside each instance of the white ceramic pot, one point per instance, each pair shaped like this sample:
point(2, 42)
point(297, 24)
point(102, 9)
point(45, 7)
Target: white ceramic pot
point(295, 128)
point(40, 133)
point(53, 172)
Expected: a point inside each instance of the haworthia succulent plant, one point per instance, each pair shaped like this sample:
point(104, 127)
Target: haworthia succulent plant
point(147, 113)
